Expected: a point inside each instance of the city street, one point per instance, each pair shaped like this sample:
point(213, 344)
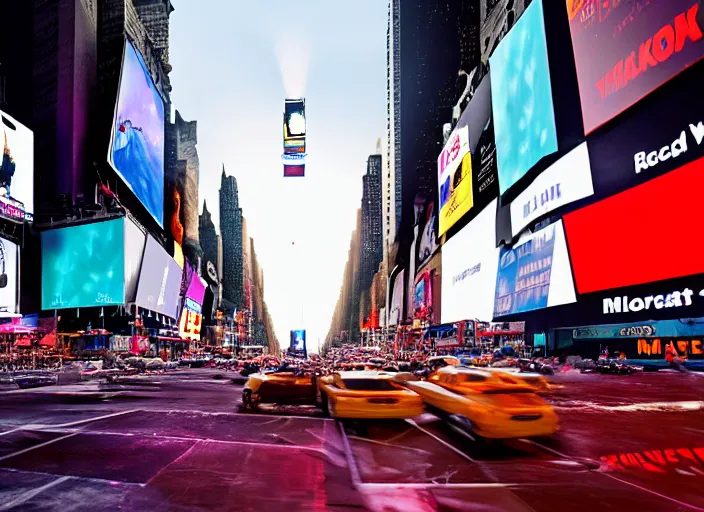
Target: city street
point(178, 441)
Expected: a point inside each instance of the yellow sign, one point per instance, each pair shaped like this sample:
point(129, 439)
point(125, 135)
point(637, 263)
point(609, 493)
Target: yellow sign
point(460, 199)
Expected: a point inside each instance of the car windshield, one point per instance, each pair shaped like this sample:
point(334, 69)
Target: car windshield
point(369, 384)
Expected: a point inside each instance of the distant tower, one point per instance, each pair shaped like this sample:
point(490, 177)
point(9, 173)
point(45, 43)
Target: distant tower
point(231, 233)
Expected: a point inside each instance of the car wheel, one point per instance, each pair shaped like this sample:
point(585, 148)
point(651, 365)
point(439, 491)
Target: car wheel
point(247, 398)
point(324, 404)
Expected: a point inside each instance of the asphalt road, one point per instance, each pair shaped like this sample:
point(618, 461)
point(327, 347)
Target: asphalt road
point(179, 442)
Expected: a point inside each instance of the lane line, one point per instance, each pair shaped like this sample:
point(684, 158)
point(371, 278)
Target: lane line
point(40, 445)
point(29, 426)
point(250, 415)
point(442, 442)
point(382, 485)
point(390, 445)
point(75, 477)
point(184, 454)
point(654, 493)
point(351, 463)
point(183, 438)
point(547, 449)
point(99, 418)
point(23, 498)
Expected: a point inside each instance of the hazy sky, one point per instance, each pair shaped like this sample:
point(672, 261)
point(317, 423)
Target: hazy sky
point(234, 63)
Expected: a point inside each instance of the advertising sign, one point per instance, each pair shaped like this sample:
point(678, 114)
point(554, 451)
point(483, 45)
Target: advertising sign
point(84, 265)
point(8, 277)
point(427, 244)
point(628, 153)
point(625, 50)
point(159, 281)
point(190, 324)
point(567, 180)
point(469, 265)
point(521, 94)
point(294, 171)
point(396, 306)
point(295, 126)
point(535, 273)
point(137, 144)
point(612, 242)
point(135, 241)
point(419, 296)
point(298, 340)
point(455, 179)
point(16, 168)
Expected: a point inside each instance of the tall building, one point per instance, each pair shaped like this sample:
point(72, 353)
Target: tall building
point(231, 233)
point(64, 86)
point(372, 237)
point(429, 43)
point(208, 237)
point(16, 46)
point(155, 18)
point(392, 178)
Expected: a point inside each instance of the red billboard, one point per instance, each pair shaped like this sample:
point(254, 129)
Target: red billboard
point(624, 50)
point(648, 233)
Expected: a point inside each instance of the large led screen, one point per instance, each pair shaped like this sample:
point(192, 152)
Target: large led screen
point(84, 265)
point(137, 144)
point(455, 179)
point(294, 171)
point(648, 233)
point(469, 262)
point(295, 126)
point(298, 340)
point(17, 164)
point(625, 50)
point(135, 240)
point(8, 276)
point(535, 273)
point(567, 180)
point(521, 94)
point(159, 281)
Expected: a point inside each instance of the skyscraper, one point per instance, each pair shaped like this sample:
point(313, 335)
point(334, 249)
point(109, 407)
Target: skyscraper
point(208, 238)
point(231, 233)
point(430, 41)
point(372, 237)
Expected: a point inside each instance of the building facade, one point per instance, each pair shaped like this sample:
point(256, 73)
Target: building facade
point(231, 233)
point(372, 238)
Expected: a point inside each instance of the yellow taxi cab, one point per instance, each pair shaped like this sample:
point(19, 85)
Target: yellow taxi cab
point(493, 405)
point(286, 386)
point(535, 380)
point(367, 395)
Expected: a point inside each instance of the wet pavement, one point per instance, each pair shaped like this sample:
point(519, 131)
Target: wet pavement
point(179, 441)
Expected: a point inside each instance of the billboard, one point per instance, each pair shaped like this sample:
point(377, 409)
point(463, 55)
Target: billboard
point(625, 50)
point(427, 244)
point(396, 306)
point(567, 180)
point(195, 291)
point(521, 94)
point(295, 126)
point(190, 324)
point(535, 273)
point(623, 240)
point(455, 179)
point(16, 168)
point(137, 144)
point(469, 265)
point(298, 170)
point(135, 241)
point(159, 281)
point(298, 340)
point(84, 266)
point(8, 276)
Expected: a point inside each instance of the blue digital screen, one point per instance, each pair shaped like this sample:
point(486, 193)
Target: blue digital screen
point(84, 266)
point(521, 96)
point(298, 340)
point(137, 147)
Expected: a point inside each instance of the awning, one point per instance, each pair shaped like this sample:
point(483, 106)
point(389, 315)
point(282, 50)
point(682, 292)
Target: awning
point(49, 340)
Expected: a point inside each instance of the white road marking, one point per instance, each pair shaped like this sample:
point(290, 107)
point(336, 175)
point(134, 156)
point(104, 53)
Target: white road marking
point(442, 441)
point(90, 420)
point(649, 491)
point(691, 405)
point(26, 496)
point(390, 445)
point(29, 426)
point(351, 463)
point(40, 445)
point(250, 415)
point(487, 485)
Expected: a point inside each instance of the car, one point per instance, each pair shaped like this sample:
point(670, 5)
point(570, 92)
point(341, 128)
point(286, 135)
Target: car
point(492, 405)
point(286, 386)
point(536, 380)
point(367, 395)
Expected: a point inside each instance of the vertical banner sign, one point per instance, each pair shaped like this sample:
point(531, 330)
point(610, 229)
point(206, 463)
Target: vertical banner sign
point(624, 50)
point(455, 179)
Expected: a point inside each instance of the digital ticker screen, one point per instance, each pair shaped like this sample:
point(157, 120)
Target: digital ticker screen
point(298, 340)
point(295, 118)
